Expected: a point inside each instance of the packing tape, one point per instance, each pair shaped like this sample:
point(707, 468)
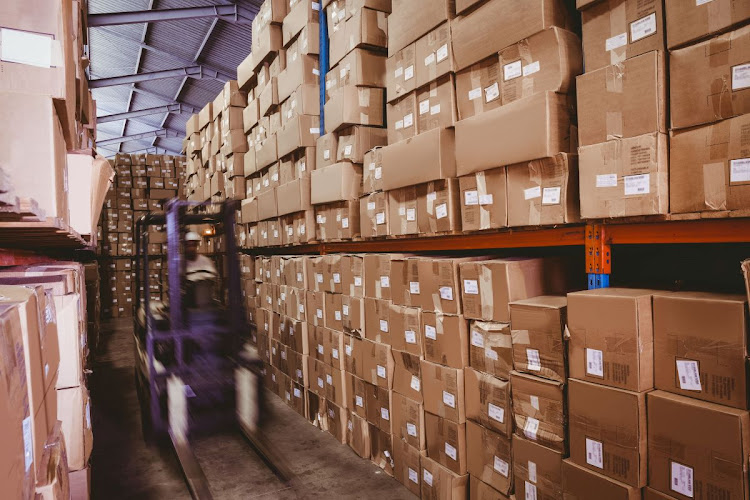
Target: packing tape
point(551, 488)
point(476, 82)
point(520, 337)
point(484, 214)
point(527, 83)
point(721, 98)
point(535, 204)
point(618, 23)
point(487, 299)
point(714, 186)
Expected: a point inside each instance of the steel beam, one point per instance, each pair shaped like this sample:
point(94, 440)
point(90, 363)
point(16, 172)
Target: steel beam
point(193, 71)
point(169, 108)
point(229, 12)
point(137, 137)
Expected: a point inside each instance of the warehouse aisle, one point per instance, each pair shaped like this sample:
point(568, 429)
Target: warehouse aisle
point(124, 466)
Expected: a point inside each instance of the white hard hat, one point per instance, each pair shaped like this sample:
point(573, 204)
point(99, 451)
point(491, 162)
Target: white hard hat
point(192, 236)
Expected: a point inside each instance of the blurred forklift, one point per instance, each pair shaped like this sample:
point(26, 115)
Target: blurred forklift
point(195, 372)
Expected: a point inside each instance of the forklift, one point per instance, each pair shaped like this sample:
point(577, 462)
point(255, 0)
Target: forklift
point(195, 372)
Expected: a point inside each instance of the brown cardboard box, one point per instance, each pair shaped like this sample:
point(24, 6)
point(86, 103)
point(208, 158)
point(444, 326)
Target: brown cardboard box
point(709, 447)
point(445, 339)
point(301, 132)
point(616, 30)
point(408, 421)
point(267, 207)
point(624, 177)
point(353, 310)
point(538, 330)
point(650, 494)
point(406, 465)
point(354, 142)
point(403, 211)
point(490, 457)
point(443, 390)
point(361, 68)
point(407, 375)
point(622, 101)
point(434, 55)
point(499, 23)
point(372, 170)
point(352, 269)
point(378, 364)
point(250, 115)
point(400, 73)
point(402, 118)
point(488, 401)
point(689, 23)
point(483, 200)
point(579, 482)
point(366, 28)
point(439, 284)
point(618, 357)
point(441, 483)
point(337, 221)
point(608, 431)
point(479, 490)
point(527, 129)
point(378, 407)
point(357, 393)
point(381, 444)
point(406, 325)
point(547, 61)
point(337, 182)
point(426, 157)
point(355, 106)
point(411, 19)
point(325, 152)
point(377, 275)
point(478, 87)
point(266, 152)
point(373, 215)
point(537, 470)
point(710, 170)
point(437, 104)
point(300, 70)
point(700, 345)
point(73, 410)
point(539, 410)
point(304, 14)
point(304, 100)
point(446, 442)
point(490, 348)
point(438, 207)
point(377, 317)
point(266, 43)
point(543, 192)
point(337, 421)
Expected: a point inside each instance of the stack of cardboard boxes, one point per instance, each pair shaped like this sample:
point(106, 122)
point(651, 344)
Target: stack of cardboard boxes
point(46, 412)
point(142, 184)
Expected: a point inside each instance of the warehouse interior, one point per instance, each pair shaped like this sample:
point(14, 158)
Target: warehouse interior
point(437, 249)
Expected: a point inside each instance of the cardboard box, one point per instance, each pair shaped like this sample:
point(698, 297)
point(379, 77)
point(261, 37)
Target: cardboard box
point(700, 346)
point(616, 30)
point(400, 73)
point(424, 158)
point(438, 208)
point(441, 483)
point(366, 28)
point(622, 101)
point(354, 142)
point(445, 339)
point(579, 482)
point(624, 177)
point(406, 325)
point(437, 104)
point(357, 393)
point(381, 444)
point(403, 211)
point(434, 52)
point(538, 331)
point(266, 43)
point(358, 436)
point(303, 13)
point(478, 87)
point(543, 192)
point(411, 19)
point(490, 459)
point(608, 431)
point(443, 390)
point(326, 148)
point(402, 122)
point(378, 364)
point(490, 348)
point(304, 100)
point(497, 24)
point(689, 23)
point(337, 182)
point(527, 129)
point(300, 70)
point(74, 411)
point(361, 68)
point(408, 421)
point(710, 171)
point(378, 407)
point(377, 317)
point(300, 132)
point(446, 442)
point(536, 470)
point(483, 200)
point(600, 354)
point(406, 465)
point(704, 435)
point(377, 275)
point(337, 221)
point(488, 401)
point(355, 106)
point(540, 410)
point(373, 215)
point(337, 421)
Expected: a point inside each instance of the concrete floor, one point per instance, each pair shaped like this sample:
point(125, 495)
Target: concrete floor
point(123, 465)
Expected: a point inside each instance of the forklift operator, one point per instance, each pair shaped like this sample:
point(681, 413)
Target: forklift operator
point(200, 272)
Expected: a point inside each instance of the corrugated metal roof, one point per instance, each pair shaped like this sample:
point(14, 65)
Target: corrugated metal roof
point(120, 50)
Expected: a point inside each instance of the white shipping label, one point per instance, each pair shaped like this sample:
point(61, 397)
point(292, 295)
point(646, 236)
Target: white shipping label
point(380, 218)
point(551, 196)
point(435, 110)
point(643, 27)
point(594, 454)
point(348, 150)
point(689, 375)
point(337, 315)
point(413, 476)
point(430, 332)
point(529, 491)
point(595, 363)
point(534, 362)
point(446, 293)
point(490, 353)
point(606, 180)
point(442, 53)
point(383, 326)
point(319, 277)
point(411, 214)
point(384, 414)
point(345, 309)
point(492, 92)
point(449, 399)
point(409, 72)
point(531, 193)
point(512, 70)
point(345, 223)
point(408, 120)
point(471, 198)
point(320, 383)
point(534, 402)
point(329, 380)
point(320, 348)
point(701, 2)
point(475, 94)
point(385, 282)
point(486, 199)
point(429, 59)
point(424, 107)
point(471, 287)
point(335, 353)
point(23, 47)
point(532, 471)
point(28, 445)
point(415, 383)
point(450, 451)
point(501, 466)
point(739, 170)
point(297, 393)
point(337, 277)
point(342, 73)
point(315, 131)
point(496, 413)
point(414, 287)
point(427, 477)
point(399, 124)
point(348, 350)
point(681, 479)
point(319, 313)
point(381, 371)
point(358, 401)
point(637, 184)
point(411, 429)
point(477, 339)
point(410, 336)
point(401, 211)
point(358, 281)
point(531, 68)
point(531, 428)
point(616, 42)
point(302, 308)
point(326, 154)
point(399, 72)
point(441, 211)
